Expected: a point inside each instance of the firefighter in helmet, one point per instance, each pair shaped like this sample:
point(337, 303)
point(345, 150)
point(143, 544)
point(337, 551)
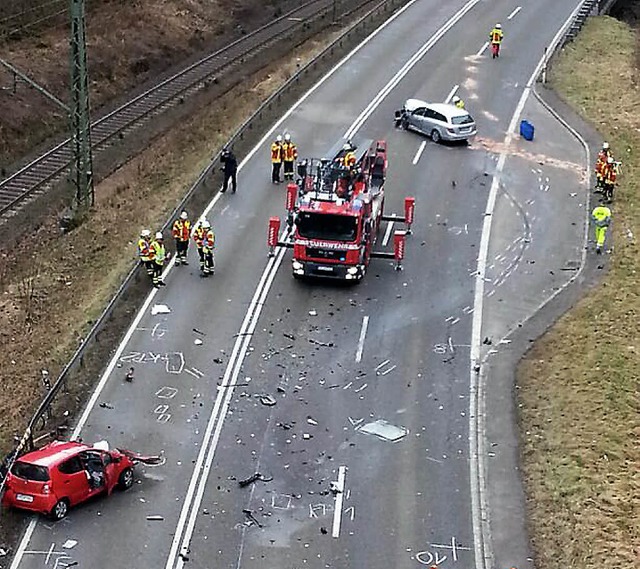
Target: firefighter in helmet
point(289, 156)
point(144, 253)
point(276, 159)
point(181, 232)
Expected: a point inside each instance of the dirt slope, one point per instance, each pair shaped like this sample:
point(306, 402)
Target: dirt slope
point(129, 43)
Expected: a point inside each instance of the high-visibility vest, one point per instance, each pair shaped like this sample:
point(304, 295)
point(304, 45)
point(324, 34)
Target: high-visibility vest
point(601, 215)
point(198, 235)
point(181, 229)
point(349, 159)
point(609, 174)
point(496, 36)
point(158, 252)
point(209, 240)
point(143, 249)
point(460, 104)
point(276, 153)
point(289, 151)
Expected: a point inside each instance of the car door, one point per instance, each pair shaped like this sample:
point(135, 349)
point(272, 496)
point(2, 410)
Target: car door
point(417, 118)
point(430, 121)
point(71, 481)
point(111, 471)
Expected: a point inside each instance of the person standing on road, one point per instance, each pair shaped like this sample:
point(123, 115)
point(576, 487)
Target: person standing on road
point(144, 253)
point(457, 102)
point(208, 243)
point(230, 169)
point(289, 156)
point(276, 159)
point(158, 256)
point(601, 216)
point(198, 237)
point(182, 233)
point(495, 38)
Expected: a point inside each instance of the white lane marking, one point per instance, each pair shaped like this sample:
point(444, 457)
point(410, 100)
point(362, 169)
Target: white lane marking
point(453, 91)
point(419, 152)
point(337, 511)
point(363, 333)
point(404, 70)
point(481, 538)
point(485, 45)
point(512, 15)
point(387, 233)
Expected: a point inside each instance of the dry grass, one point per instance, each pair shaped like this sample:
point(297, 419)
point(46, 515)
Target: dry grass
point(579, 390)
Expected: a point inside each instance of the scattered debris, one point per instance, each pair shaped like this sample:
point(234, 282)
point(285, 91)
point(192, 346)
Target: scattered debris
point(254, 478)
point(313, 313)
point(160, 309)
point(487, 341)
point(323, 530)
point(326, 345)
point(306, 436)
point(69, 544)
point(251, 517)
point(217, 360)
point(70, 564)
point(3, 552)
point(267, 400)
point(198, 332)
point(384, 430)
point(129, 376)
point(106, 405)
point(334, 488)
point(285, 426)
point(289, 336)
point(311, 420)
point(155, 518)
point(198, 342)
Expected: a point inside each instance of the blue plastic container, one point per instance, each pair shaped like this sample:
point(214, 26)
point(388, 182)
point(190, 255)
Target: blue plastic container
point(526, 130)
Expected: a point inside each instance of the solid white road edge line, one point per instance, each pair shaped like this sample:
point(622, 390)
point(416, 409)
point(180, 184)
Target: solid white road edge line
point(419, 152)
point(451, 93)
point(96, 394)
point(512, 15)
point(337, 510)
point(408, 66)
point(485, 45)
point(479, 511)
point(363, 334)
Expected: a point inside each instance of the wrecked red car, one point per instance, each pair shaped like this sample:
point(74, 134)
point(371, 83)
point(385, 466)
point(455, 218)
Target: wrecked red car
point(62, 474)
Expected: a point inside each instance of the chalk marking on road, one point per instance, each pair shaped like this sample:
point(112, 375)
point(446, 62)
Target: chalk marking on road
point(451, 348)
point(513, 14)
point(485, 45)
point(406, 68)
point(351, 510)
point(363, 333)
point(434, 459)
point(337, 512)
point(453, 91)
point(387, 233)
point(384, 363)
point(479, 511)
point(348, 385)
point(389, 370)
point(361, 388)
point(195, 372)
point(49, 553)
point(419, 152)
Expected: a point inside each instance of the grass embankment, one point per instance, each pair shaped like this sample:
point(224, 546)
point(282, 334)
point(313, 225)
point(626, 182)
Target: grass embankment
point(579, 386)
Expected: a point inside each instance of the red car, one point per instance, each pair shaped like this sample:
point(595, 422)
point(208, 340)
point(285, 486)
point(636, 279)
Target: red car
point(63, 474)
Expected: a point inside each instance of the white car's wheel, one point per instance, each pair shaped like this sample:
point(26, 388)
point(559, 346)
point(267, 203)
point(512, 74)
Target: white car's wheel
point(435, 135)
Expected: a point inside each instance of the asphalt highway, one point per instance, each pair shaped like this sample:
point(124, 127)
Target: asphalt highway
point(392, 353)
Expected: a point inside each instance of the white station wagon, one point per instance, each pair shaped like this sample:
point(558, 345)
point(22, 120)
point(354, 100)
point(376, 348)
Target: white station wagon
point(440, 121)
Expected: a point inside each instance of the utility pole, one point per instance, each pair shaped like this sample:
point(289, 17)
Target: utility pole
point(81, 173)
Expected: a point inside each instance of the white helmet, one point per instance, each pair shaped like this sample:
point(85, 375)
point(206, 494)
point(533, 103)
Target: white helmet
point(610, 160)
point(346, 146)
point(287, 137)
point(184, 215)
point(605, 146)
point(498, 26)
point(145, 233)
point(159, 235)
point(206, 224)
point(279, 138)
point(455, 100)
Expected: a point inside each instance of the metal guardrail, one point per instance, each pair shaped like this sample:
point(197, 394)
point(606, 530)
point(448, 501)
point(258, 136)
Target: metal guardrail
point(37, 176)
point(195, 200)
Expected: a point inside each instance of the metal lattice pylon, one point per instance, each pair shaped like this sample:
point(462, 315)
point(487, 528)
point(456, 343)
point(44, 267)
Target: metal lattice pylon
point(81, 173)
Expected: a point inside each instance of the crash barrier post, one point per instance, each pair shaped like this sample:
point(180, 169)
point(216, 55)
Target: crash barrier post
point(274, 232)
point(134, 288)
point(409, 212)
point(399, 238)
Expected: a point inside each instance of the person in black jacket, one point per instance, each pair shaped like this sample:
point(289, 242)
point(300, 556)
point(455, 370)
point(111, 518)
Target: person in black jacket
point(230, 168)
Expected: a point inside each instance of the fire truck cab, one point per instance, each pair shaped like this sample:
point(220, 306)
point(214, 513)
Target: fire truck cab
point(334, 213)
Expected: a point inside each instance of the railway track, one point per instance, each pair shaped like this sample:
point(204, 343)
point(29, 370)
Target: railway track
point(39, 175)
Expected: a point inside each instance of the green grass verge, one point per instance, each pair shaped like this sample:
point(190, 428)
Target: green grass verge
point(579, 386)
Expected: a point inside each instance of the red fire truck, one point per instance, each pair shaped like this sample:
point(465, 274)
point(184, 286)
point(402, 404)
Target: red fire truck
point(334, 214)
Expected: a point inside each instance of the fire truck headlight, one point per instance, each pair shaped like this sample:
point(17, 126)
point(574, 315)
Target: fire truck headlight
point(352, 270)
point(297, 266)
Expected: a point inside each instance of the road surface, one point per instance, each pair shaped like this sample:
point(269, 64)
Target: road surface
point(392, 353)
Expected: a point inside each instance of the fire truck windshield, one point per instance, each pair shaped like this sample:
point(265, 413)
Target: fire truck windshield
point(329, 227)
